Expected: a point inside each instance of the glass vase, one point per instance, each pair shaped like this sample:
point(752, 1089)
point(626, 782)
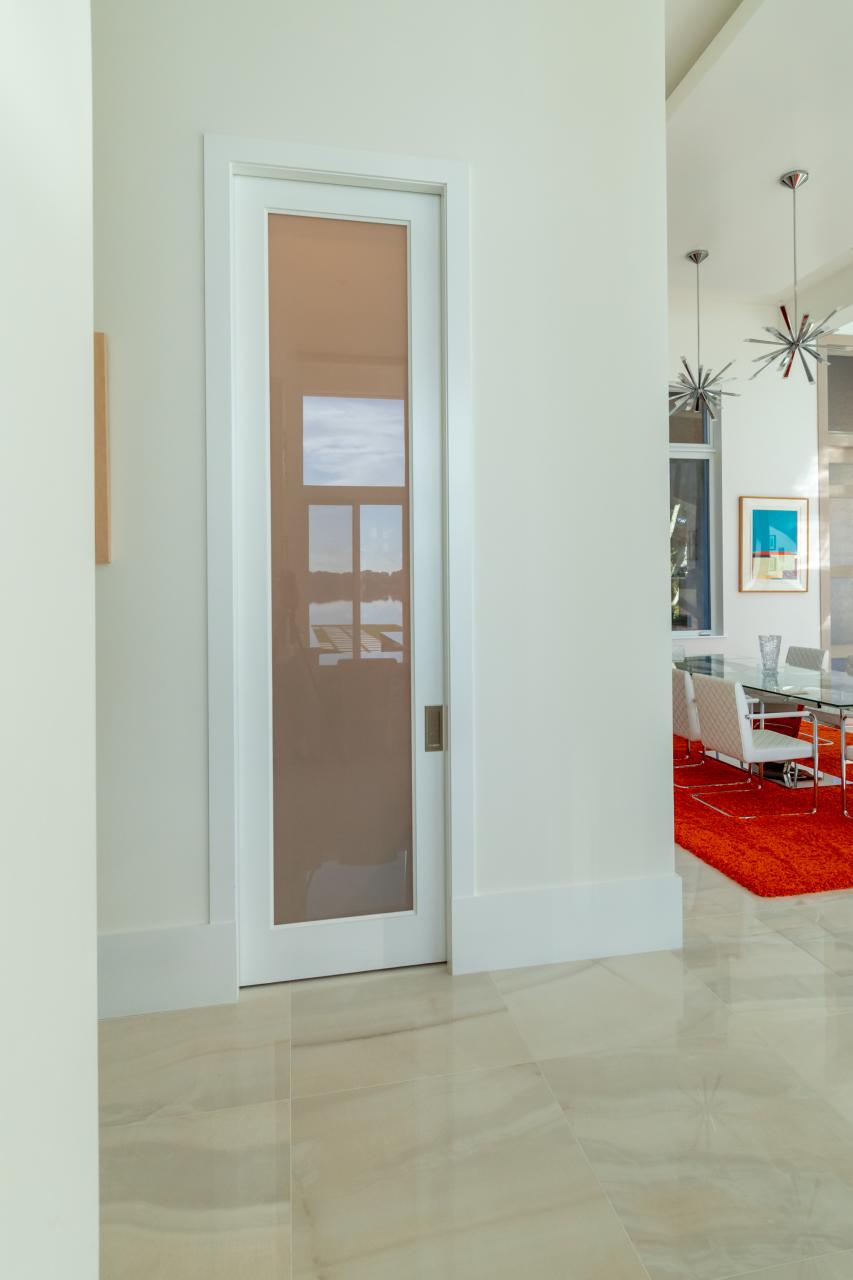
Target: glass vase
point(770, 646)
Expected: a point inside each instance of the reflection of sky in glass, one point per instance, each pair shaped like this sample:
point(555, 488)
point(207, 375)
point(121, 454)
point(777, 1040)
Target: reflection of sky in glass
point(330, 612)
point(329, 539)
point(352, 440)
point(386, 612)
point(381, 538)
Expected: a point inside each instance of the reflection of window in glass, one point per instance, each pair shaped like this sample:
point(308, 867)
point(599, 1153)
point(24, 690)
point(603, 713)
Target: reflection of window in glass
point(353, 440)
point(330, 627)
point(382, 585)
point(330, 582)
point(381, 539)
point(329, 539)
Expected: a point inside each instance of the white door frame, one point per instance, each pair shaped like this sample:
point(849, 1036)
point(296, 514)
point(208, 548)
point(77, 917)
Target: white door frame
point(224, 159)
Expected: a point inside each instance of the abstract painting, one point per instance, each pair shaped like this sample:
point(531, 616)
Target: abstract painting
point(774, 544)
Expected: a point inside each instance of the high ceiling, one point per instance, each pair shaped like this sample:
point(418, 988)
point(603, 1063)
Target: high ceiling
point(772, 92)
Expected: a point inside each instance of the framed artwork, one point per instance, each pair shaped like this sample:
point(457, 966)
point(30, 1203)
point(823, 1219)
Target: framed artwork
point(774, 544)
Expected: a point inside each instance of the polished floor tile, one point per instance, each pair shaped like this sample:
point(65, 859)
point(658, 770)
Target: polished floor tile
point(197, 1059)
point(467, 1177)
point(834, 950)
point(201, 1197)
point(718, 1158)
point(766, 972)
point(676, 1116)
point(608, 1004)
point(830, 912)
point(834, 1266)
point(377, 1028)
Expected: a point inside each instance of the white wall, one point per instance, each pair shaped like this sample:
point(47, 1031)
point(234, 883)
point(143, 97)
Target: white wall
point(48, 1061)
point(564, 129)
point(769, 449)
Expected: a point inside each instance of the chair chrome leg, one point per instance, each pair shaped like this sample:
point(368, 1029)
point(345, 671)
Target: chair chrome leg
point(749, 785)
point(750, 817)
point(687, 763)
point(725, 786)
point(844, 765)
point(816, 778)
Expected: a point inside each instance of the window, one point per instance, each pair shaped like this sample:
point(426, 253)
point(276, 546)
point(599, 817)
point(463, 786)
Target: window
point(694, 522)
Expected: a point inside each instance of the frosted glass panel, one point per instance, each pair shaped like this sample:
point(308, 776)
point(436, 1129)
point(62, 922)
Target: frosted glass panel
point(839, 381)
point(341, 716)
point(688, 427)
point(841, 531)
point(841, 473)
point(841, 596)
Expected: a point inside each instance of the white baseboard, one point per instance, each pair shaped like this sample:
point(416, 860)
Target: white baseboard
point(160, 969)
point(556, 923)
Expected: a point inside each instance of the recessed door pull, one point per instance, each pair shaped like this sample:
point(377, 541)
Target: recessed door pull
point(434, 728)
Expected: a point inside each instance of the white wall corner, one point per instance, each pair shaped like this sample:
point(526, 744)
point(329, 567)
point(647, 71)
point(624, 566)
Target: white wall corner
point(557, 923)
point(156, 970)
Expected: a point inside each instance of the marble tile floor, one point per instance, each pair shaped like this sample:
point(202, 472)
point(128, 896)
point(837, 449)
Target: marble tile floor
point(675, 1116)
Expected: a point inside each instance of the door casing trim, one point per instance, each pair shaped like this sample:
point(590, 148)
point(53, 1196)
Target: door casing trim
point(226, 158)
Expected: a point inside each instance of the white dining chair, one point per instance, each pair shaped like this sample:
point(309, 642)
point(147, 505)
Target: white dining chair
point(685, 717)
point(727, 728)
point(808, 659)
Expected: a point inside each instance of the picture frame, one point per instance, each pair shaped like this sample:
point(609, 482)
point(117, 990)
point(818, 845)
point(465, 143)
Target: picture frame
point(774, 545)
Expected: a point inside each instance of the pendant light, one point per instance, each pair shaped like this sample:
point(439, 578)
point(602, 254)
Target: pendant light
point(801, 337)
point(702, 390)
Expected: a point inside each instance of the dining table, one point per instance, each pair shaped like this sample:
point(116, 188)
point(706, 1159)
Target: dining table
point(824, 690)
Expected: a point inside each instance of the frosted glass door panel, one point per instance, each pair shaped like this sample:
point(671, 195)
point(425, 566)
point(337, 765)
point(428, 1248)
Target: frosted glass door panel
point(339, 556)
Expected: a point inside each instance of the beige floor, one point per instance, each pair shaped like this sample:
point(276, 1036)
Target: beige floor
point(678, 1115)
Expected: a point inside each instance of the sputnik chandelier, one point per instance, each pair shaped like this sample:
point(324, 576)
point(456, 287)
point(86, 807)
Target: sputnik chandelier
point(801, 337)
point(702, 389)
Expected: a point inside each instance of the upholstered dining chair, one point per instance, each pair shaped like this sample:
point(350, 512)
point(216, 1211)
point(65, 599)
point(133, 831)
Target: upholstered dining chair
point(809, 660)
point(685, 717)
point(727, 728)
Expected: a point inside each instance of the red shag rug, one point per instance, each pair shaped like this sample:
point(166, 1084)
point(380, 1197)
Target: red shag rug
point(776, 854)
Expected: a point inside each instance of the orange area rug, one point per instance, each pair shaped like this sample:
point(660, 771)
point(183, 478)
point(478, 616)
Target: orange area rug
point(776, 854)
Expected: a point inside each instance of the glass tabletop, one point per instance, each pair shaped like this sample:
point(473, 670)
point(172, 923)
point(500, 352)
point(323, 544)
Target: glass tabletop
point(818, 688)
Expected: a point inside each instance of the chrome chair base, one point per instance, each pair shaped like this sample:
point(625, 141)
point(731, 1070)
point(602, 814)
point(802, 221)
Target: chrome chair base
point(747, 786)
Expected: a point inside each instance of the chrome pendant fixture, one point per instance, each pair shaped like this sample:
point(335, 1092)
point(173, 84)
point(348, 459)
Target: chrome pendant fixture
point(801, 337)
point(702, 389)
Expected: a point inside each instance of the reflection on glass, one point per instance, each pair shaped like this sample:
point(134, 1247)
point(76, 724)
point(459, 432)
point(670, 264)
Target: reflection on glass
point(329, 539)
point(353, 440)
point(330, 625)
point(690, 562)
point(381, 540)
point(342, 746)
point(381, 545)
